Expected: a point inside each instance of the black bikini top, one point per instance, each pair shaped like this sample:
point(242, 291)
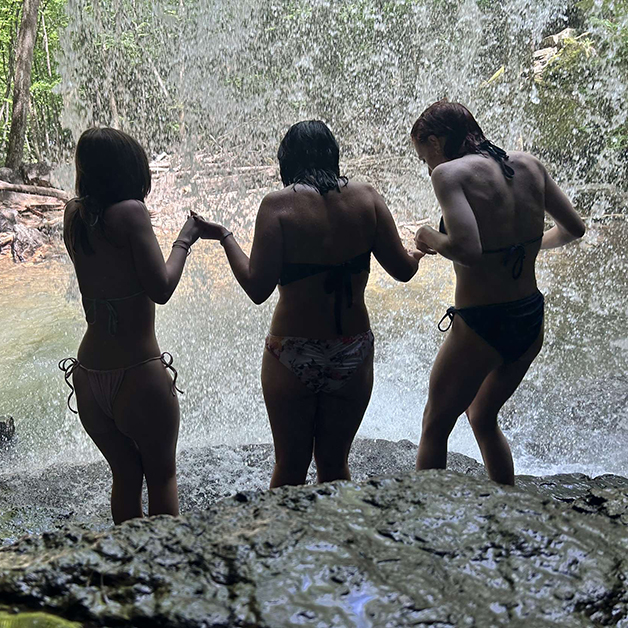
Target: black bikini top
point(111, 308)
point(516, 252)
point(338, 279)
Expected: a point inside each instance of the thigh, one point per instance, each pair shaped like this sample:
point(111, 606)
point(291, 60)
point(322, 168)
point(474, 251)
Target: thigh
point(291, 408)
point(147, 412)
point(340, 413)
point(119, 450)
point(501, 383)
point(462, 364)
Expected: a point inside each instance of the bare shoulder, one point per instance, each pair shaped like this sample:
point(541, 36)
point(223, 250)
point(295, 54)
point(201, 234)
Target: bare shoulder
point(276, 197)
point(275, 203)
point(455, 171)
point(362, 191)
point(527, 161)
point(130, 213)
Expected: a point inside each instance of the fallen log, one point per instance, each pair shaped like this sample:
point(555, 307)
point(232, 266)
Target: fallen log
point(6, 238)
point(34, 189)
point(32, 210)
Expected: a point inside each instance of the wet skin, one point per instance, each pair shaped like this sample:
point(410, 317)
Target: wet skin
point(141, 439)
point(299, 225)
point(482, 210)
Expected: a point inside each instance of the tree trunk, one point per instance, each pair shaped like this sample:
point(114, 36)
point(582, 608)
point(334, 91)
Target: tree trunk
point(21, 91)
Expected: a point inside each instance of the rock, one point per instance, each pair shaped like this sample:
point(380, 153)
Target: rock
point(541, 58)
point(10, 176)
point(50, 498)
point(8, 220)
point(39, 174)
point(558, 40)
point(417, 549)
point(7, 429)
point(6, 239)
point(26, 243)
point(606, 495)
point(24, 239)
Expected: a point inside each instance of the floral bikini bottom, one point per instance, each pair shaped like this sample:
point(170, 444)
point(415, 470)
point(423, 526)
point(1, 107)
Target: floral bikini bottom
point(322, 365)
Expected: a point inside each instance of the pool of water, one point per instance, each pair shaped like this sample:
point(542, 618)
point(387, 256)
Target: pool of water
point(570, 414)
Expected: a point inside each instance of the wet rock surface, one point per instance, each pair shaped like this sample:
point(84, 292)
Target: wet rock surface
point(407, 549)
point(418, 549)
point(33, 503)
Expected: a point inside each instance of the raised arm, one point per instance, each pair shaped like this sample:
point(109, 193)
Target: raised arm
point(389, 250)
point(259, 274)
point(569, 226)
point(158, 278)
point(462, 242)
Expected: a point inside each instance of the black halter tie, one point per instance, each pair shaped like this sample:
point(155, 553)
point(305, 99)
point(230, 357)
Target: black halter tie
point(499, 155)
point(338, 281)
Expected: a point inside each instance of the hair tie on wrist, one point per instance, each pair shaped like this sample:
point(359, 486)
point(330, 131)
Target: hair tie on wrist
point(229, 233)
point(182, 245)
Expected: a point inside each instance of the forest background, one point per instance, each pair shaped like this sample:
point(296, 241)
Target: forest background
point(126, 63)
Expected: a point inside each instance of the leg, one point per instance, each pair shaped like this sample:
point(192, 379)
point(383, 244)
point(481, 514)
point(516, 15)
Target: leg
point(147, 411)
point(497, 388)
point(120, 452)
point(462, 363)
point(291, 410)
point(337, 422)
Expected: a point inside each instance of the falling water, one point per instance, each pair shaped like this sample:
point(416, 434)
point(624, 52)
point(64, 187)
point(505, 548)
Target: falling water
point(210, 87)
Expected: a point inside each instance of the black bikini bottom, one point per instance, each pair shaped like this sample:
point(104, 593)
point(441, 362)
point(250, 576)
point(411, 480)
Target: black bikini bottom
point(511, 328)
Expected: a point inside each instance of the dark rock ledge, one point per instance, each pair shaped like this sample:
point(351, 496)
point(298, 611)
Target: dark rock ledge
point(436, 549)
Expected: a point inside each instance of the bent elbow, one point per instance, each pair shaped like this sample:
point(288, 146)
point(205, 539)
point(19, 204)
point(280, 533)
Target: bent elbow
point(162, 297)
point(405, 276)
point(258, 297)
point(580, 231)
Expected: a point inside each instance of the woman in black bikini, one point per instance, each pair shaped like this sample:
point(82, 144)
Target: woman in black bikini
point(314, 238)
point(126, 400)
point(493, 207)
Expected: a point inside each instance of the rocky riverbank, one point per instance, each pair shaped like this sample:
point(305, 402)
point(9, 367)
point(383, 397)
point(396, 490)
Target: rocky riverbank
point(407, 549)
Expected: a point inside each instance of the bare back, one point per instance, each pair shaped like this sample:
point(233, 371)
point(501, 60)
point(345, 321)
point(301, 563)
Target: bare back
point(324, 229)
point(110, 274)
point(509, 212)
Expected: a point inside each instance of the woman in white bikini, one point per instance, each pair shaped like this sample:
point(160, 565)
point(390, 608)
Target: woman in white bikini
point(315, 238)
point(126, 400)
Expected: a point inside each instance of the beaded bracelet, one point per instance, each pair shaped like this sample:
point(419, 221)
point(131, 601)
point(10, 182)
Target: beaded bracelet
point(182, 245)
point(229, 233)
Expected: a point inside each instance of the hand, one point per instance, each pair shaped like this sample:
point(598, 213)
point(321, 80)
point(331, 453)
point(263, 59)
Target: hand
point(190, 232)
point(209, 230)
point(420, 243)
point(418, 255)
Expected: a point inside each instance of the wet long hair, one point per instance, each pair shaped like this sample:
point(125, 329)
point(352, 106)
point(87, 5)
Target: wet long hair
point(110, 167)
point(309, 154)
point(462, 133)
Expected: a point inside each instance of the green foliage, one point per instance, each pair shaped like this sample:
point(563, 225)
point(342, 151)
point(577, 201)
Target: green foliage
point(237, 73)
point(45, 137)
point(581, 111)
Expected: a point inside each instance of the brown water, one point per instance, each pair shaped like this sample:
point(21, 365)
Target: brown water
point(570, 414)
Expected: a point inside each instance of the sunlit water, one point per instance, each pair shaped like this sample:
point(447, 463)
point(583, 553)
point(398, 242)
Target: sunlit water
point(237, 75)
point(569, 414)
